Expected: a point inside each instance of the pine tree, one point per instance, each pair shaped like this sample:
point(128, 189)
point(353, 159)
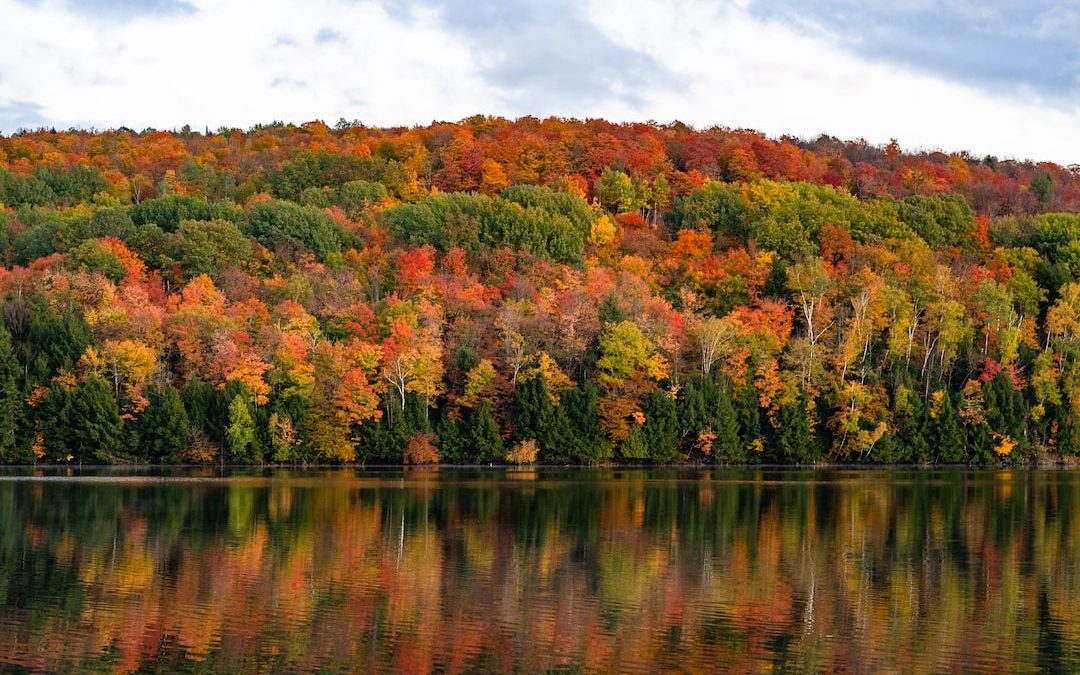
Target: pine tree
point(636, 447)
point(748, 415)
point(577, 435)
point(484, 439)
point(610, 312)
point(1067, 441)
point(453, 445)
point(694, 415)
point(661, 429)
point(532, 412)
point(906, 442)
point(164, 426)
point(414, 419)
point(791, 434)
point(1006, 411)
point(11, 404)
point(382, 443)
point(95, 429)
point(207, 409)
point(54, 420)
point(948, 432)
point(979, 441)
point(727, 446)
point(54, 339)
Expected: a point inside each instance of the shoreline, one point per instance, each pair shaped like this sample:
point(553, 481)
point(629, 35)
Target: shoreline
point(1040, 464)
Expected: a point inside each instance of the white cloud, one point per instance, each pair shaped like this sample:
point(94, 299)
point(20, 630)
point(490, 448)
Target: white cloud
point(230, 63)
point(233, 63)
point(746, 72)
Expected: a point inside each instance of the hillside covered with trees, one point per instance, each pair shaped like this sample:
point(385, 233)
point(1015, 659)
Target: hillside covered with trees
point(555, 291)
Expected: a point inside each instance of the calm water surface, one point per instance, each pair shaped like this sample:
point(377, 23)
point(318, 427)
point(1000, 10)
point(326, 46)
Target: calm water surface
point(540, 571)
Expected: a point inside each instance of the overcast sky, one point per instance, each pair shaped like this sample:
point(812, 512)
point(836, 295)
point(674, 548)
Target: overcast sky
point(988, 76)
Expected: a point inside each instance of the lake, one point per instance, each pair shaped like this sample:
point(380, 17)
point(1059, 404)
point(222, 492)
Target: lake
point(544, 570)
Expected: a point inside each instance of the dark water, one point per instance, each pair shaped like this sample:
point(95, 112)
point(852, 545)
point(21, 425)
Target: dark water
point(541, 571)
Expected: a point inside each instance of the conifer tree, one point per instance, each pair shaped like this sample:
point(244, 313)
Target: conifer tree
point(661, 430)
point(11, 403)
point(453, 444)
point(693, 411)
point(163, 427)
point(580, 436)
point(1068, 436)
point(93, 426)
point(727, 446)
point(532, 412)
point(948, 432)
point(791, 434)
point(748, 415)
point(207, 409)
point(485, 443)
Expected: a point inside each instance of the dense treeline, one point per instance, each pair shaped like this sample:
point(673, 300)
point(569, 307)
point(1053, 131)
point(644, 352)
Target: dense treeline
point(553, 291)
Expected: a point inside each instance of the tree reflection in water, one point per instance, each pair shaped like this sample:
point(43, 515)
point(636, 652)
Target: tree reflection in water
point(605, 570)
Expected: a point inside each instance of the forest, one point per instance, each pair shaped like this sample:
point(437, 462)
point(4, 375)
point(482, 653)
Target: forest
point(532, 291)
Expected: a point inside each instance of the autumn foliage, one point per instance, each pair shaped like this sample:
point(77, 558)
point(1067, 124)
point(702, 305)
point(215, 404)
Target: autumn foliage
point(596, 292)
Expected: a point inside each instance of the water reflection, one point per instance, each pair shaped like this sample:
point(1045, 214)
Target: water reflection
point(537, 571)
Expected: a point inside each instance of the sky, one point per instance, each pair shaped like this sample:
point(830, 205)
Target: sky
point(997, 77)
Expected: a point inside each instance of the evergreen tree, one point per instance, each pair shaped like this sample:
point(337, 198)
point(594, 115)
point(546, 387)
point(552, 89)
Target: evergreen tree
point(485, 443)
point(776, 285)
point(564, 443)
point(947, 430)
point(979, 442)
point(207, 409)
point(610, 312)
point(457, 371)
point(384, 443)
point(107, 288)
point(11, 401)
point(532, 413)
point(636, 447)
point(1067, 441)
point(907, 442)
point(661, 429)
point(748, 415)
point(163, 427)
point(580, 436)
point(453, 444)
point(381, 443)
point(791, 434)
point(54, 339)
point(54, 420)
point(1006, 411)
point(87, 423)
point(693, 411)
point(414, 419)
point(727, 446)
